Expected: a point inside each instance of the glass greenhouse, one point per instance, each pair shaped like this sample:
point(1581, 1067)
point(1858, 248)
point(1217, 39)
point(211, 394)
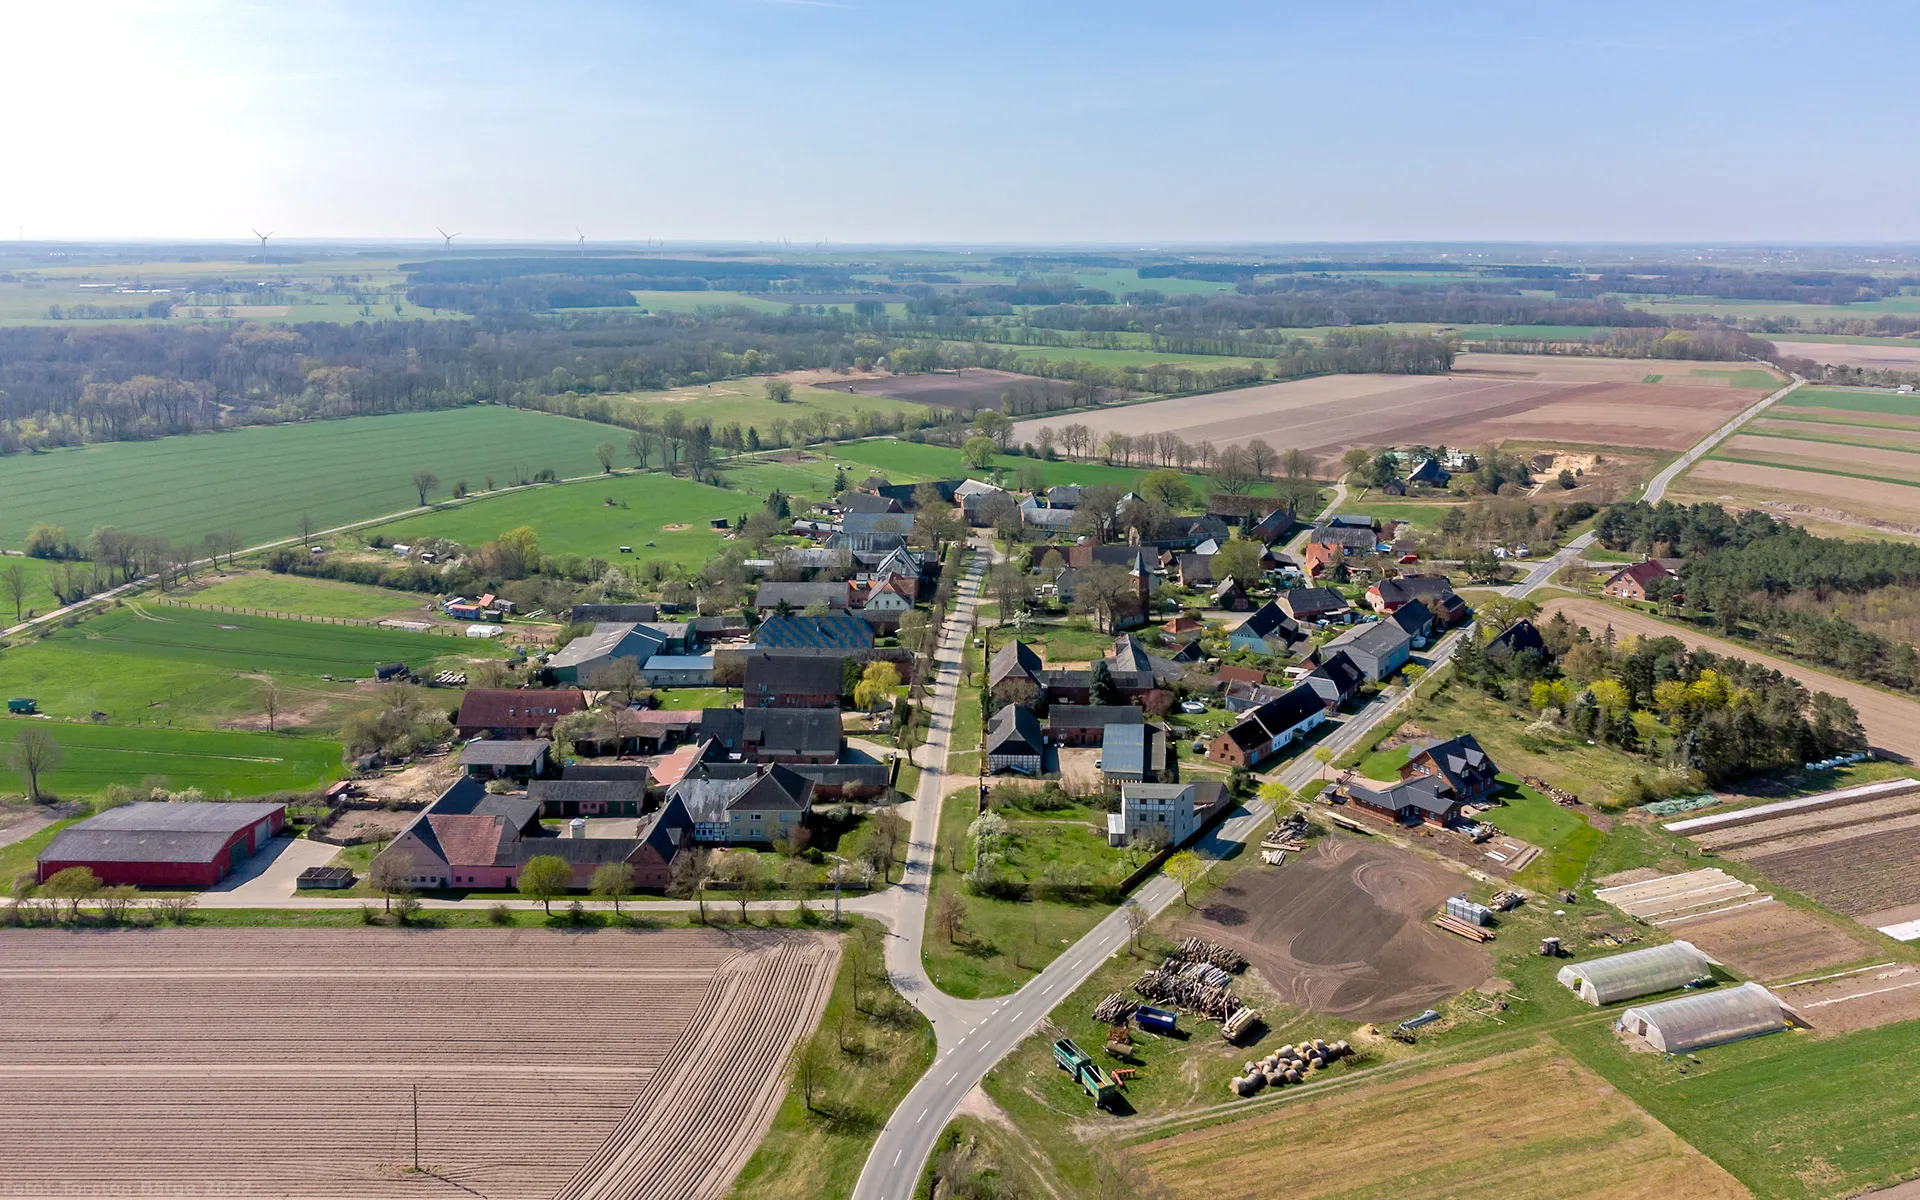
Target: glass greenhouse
point(1706, 1018)
point(1636, 973)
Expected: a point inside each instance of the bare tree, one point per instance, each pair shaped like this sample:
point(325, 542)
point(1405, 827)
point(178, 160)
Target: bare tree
point(1099, 591)
point(692, 872)
point(391, 874)
point(270, 700)
point(950, 915)
point(1296, 464)
point(808, 1063)
point(424, 482)
point(1011, 589)
point(604, 452)
point(34, 754)
point(13, 585)
point(307, 531)
point(1260, 457)
point(1136, 915)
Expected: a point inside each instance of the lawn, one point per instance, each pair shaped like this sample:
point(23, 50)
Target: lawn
point(1076, 641)
point(596, 518)
point(260, 481)
point(39, 597)
point(1794, 1115)
point(1006, 942)
point(818, 1153)
point(304, 596)
point(218, 762)
point(685, 698)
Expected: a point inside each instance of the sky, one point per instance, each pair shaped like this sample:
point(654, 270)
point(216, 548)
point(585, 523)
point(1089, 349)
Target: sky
point(1043, 122)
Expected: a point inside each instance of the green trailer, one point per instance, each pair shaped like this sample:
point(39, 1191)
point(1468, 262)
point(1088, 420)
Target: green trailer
point(1091, 1077)
point(22, 706)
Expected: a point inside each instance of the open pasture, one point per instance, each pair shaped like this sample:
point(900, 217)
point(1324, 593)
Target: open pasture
point(597, 517)
point(745, 401)
point(1579, 401)
point(1342, 930)
point(221, 763)
point(248, 1062)
point(306, 596)
point(261, 480)
point(1572, 1138)
point(266, 645)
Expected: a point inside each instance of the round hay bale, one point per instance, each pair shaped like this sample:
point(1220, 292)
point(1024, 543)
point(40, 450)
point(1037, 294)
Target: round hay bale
point(1285, 1051)
point(1293, 1077)
point(1319, 1046)
point(1315, 1063)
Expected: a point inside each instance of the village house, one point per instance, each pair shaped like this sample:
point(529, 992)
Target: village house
point(1635, 581)
point(1310, 604)
point(1165, 814)
point(1378, 649)
point(1336, 680)
point(678, 670)
point(1267, 630)
point(1229, 595)
point(1320, 558)
point(1435, 781)
point(1265, 731)
point(1388, 595)
point(734, 804)
point(782, 735)
point(1086, 725)
point(793, 681)
point(581, 659)
point(1014, 742)
point(519, 759)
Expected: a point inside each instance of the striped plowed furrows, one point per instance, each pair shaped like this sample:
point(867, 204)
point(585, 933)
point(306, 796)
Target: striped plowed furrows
point(703, 1112)
point(282, 1062)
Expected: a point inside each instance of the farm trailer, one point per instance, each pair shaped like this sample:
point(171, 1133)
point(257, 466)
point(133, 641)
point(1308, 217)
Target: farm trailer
point(1092, 1078)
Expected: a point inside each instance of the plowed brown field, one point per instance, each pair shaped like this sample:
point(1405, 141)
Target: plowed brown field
point(282, 1063)
point(1489, 398)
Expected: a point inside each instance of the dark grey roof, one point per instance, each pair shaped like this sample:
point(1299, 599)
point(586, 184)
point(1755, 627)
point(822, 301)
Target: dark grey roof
point(711, 791)
point(1261, 725)
point(1414, 617)
point(613, 612)
point(856, 523)
point(875, 774)
point(1312, 600)
point(1379, 639)
point(557, 791)
point(1424, 792)
point(468, 796)
point(1093, 716)
point(1344, 536)
point(156, 831)
point(792, 675)
point(1405, 588)
point(1460, 761)
point(1015, 659)
point(801, 595)
point(809, 730)
point(181, 816)
point(835, 631)
point(519, 752)
point(1268, 621)
point(1519, 636)
point(1129, 656)
point(602, 772)
point(1337, 677)
point(1014, 731)
point(867, 502)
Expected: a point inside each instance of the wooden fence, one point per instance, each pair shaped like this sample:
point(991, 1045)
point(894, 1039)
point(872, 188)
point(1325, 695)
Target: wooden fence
point(444, 630)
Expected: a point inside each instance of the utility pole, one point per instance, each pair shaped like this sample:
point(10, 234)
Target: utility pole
point(416, 1129)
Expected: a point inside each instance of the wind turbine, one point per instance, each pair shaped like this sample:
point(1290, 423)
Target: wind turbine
point(263, 239)
point(449, 236)
point(583, 241)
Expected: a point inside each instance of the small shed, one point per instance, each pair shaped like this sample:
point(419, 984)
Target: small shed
point(1636, 973)
point(1707, 1018)
point(517, 758)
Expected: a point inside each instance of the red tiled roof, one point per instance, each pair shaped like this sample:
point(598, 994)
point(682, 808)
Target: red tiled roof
point(468, 839)
point(1242, 675)
point(518, 708)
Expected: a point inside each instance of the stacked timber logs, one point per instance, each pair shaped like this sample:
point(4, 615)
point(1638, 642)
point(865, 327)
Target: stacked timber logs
point(1453, 924)
point(1560, 796)
point(1200, 950)
point(1116, 1009)
point(1170, 984)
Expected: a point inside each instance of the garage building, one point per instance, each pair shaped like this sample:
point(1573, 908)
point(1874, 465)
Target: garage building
point(164, 843)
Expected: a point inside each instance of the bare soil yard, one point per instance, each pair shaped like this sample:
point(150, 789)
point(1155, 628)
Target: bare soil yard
point(1859, 497)
point(1868, 874)
point(1859, 1001)
point(1328, 414)
point(1343, 929)
point(264, 1062)
point(1771, 941)
point(1892, 724)
point(1545, 1128)
point(1566, 368)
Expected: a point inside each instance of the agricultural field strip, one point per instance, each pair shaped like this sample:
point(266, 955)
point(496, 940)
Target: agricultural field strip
point(1696, 891)
point(702, 1038)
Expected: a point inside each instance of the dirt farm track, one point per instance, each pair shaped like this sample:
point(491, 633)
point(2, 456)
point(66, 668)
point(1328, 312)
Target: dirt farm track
point(1488, 398)
point(244, 1062)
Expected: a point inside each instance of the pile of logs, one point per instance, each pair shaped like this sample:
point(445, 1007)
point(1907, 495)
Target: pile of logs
point(1116, 1009)
point(1199, 950)
point(1167, 984)
point(1560, 796)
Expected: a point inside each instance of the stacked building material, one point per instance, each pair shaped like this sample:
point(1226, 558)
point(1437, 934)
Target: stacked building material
point(1200, 950)
point(1167, 984)
point(1114, 1010)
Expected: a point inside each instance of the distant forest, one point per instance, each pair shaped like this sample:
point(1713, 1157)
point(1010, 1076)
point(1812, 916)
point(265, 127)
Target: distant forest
point(557, 331)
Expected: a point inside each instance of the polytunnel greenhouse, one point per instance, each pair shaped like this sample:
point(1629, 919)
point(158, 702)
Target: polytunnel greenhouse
point(1637, 973)
point(1706, 1018)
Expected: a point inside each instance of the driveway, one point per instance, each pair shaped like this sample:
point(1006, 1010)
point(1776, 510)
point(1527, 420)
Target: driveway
point(270, 874)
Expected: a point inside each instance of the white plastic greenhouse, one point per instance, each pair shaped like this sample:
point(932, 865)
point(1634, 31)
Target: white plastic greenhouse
point(1706, 1018)
point(1636, 973)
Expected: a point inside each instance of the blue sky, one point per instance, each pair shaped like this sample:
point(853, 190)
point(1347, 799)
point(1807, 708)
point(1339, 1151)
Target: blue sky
point(964, 122)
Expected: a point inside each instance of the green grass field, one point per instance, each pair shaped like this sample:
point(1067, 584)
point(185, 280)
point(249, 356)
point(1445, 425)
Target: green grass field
point(578, 519)
point(218, 762)
point(1792, 1115)
point(1712, 306)
point(1851, 400)
point(176, 666)
point(745, 401)
point(260, 481)
point(39, 597)
point(305, 596)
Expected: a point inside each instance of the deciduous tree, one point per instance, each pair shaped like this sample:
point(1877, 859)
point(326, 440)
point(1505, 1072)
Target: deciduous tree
point(424, 482)
point(35, 752)
point(613, 882)
point(545, 878)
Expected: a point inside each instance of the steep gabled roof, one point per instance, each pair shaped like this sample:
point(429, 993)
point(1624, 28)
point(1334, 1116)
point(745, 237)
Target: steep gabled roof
point(1129, 656)
point(1093, 716)
point(1267, 621)
point(1014, 660)
point(470, 839)
point(793, 675)
point(835, 631)
point(1460, 761)
point(517, 708)
point(1404, 588)
point(1014, 731)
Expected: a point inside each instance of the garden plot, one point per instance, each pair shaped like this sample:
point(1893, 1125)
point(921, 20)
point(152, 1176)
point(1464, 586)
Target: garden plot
point(263, 1062)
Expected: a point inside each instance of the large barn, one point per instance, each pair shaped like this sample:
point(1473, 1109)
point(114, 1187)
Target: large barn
point(164, 843)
